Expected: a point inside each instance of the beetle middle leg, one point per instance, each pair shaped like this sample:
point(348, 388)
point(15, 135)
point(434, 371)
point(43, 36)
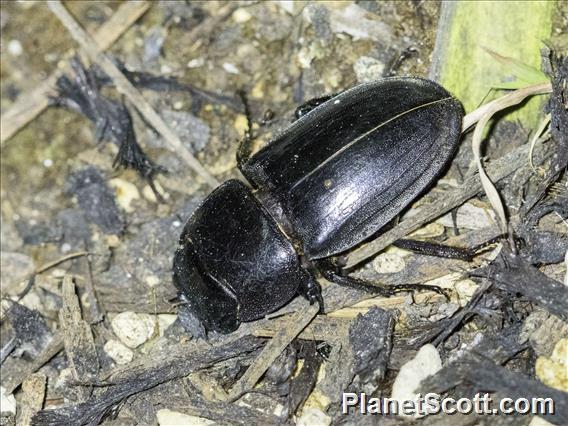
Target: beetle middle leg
point(331, 272)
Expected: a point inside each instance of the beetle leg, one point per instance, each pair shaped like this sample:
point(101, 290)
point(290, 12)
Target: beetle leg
point(442, 250)
point(312, 104)
point(330, 273)
point(311, 290)
point(245, 146)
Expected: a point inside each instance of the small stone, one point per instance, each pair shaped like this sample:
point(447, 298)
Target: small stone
point(152, 280)
point(368, 69)
point(469, 216)
point(15, 48)
point(465, 289)
point(429, 231)
point(240, 16)
point(287, 5)
point(318, 16)
point(97, 200)
point(426, 362)
point(543, 330)
point(312, 416)
point(553, 371)
point(174, 418)
point(14, 268)
point(8, 402)
point(196, 63)
point(257, 91)
point(388, 263)
point(164, 321)
point(241, 124)
point(32, 301)
point(539, 421)
point(60, 382)
point(230, 68)
point(193, 132)
point(126, 193)
point(352, 19)
point(50, 57)
point(112, 241)
point(307, 54)
point(133, 329)
point(118, 352)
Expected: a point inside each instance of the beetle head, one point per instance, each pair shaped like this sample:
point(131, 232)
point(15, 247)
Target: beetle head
point(214, 304)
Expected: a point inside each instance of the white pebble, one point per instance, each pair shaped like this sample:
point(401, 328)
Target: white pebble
point(164, 321)
point(152, 280)
point(240, 16)
point(196, 63)
point(230, 68)
point(368, 69)
point(126, 193)
point(118, 352)
point(48, 162)
point(15, 48)
point(133, 329)
point(426, 362)
point(8, 403)
point(175, 418)
point(312, 416)
point(388, 263)
point(470, 216)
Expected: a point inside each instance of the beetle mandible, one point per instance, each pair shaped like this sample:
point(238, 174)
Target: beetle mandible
point(328, 182)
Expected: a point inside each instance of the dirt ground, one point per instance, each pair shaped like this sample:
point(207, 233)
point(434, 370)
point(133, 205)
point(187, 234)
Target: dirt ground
point(87, 325)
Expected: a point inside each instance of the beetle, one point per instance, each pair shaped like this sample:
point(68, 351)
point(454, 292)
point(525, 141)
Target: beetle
point(328, 182)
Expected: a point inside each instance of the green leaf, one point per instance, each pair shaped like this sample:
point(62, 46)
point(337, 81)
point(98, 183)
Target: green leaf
point(524, 74)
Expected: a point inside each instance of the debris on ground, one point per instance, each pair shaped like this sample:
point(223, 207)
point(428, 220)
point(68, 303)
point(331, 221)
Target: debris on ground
point(93, 331)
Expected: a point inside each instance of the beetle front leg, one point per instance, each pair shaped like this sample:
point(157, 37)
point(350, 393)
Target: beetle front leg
point(311, 290)
point(331, 272)
point(244, 150)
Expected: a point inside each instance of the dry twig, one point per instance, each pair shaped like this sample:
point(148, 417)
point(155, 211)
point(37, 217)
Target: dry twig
point(288, 332)
point(33, 395)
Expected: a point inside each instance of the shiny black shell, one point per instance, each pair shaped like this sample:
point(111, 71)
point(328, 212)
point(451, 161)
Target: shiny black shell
point(345, 169)
point(325, 184)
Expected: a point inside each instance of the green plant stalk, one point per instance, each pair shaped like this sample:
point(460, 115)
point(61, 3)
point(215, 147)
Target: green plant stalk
point(461, 62)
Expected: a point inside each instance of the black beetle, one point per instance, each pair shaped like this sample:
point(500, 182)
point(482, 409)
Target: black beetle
point(328, 182)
